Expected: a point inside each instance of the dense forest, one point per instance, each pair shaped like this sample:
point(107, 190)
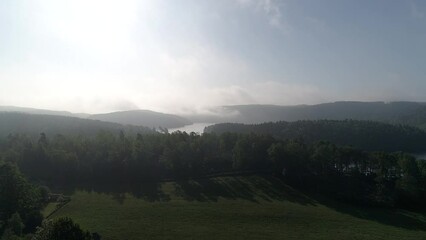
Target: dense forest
point(366, 135)
point(378, 178)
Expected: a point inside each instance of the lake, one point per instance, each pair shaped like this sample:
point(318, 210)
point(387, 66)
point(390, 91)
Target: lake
point(196, 127)
point(419, 155)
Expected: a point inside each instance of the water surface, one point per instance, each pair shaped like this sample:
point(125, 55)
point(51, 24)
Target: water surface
point(195, 127)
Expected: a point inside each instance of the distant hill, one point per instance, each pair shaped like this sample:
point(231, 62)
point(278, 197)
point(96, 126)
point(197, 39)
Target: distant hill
point(366, 135)
point(411, 113)
point(143, 118)
point(41, 111)
point(34, 124)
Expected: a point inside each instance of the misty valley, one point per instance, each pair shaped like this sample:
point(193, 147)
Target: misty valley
point(68, 174)
point(212, 120)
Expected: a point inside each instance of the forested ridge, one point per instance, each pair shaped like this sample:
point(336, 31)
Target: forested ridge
point(366, 135)
point(408, 113)
point(143, 118)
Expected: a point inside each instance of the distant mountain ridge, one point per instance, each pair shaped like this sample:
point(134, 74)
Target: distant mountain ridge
point(407, 113)
point(410, 113)
point(34, 124)
point(41, 111)
point(143, 118)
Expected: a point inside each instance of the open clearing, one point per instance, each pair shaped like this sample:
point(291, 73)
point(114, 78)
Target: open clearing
point(244, 207)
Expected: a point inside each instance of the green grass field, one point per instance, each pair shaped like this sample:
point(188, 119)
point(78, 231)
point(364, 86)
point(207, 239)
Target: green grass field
point(246, 207)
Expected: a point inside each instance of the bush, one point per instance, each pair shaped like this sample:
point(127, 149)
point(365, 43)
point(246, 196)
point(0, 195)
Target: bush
point(61, 229)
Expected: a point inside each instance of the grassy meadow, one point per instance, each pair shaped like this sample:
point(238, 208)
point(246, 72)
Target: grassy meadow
point(243, 207)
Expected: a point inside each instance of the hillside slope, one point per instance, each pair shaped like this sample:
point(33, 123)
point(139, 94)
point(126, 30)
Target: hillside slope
point(41, 111)
point(238, 207)
point(143, 118)
point(411, 113)
point(34, 124)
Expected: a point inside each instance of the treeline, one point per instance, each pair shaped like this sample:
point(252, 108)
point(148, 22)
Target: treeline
point(344, 172)
point(366, 135)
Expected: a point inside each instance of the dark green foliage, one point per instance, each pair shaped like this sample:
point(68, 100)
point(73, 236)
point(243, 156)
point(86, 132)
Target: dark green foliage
point(344, 172)
point(289, 158)
point(15, 224)
point(249, 149)
point(61, 229)
point(366, 135)
point(20, 202)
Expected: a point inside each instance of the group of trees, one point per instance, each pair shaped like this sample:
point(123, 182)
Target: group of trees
point(20, 206)
point(345, 172)
point(366, 135)
point(379, 178)
point(63, 229)
point(20, 202)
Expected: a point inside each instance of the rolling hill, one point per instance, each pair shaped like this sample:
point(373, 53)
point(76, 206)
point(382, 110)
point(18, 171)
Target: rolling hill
point(410, 113)
point(235, 207)
point(143, 118)
point(41, 111)
point(34, 124)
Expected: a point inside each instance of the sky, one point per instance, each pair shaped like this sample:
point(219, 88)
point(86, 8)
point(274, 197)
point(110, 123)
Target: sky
point(189, 55)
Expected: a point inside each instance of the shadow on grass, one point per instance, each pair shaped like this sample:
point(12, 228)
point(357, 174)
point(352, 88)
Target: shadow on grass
point(148, 191)
point(251, 188)
point(257, 188)
point(387, 216)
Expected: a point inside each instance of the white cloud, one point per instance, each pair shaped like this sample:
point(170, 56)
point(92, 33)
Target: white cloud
point(168, 82)
point(271, 9)
point(189, 100)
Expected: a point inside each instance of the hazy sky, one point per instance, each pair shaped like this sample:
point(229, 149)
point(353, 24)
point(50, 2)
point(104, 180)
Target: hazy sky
point(184, 55)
